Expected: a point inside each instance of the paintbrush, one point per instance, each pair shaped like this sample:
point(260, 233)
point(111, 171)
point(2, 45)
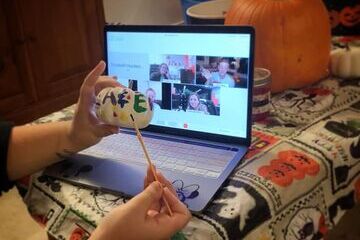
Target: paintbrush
point(138, 134)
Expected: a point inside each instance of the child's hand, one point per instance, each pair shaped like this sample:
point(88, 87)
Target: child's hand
point(133, 220)
point(149, 178)
point(86, 129)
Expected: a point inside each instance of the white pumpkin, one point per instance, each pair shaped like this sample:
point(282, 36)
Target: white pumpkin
point(345, 62)
point(115, 105)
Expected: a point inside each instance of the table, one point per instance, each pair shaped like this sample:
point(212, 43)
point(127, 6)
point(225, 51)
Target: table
point(301, 175)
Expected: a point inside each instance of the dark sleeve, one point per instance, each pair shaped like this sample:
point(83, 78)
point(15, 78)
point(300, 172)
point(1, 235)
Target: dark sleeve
point(5, 131)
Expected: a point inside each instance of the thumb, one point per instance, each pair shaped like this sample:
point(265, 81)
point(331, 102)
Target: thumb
point(87, 89)
point(143, 201)
point(93, 76)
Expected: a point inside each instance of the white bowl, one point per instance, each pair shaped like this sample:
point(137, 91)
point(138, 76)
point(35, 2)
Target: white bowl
point(211, 12)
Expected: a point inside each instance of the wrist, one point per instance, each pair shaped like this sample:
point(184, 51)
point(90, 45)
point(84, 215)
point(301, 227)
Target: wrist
point(72, 141)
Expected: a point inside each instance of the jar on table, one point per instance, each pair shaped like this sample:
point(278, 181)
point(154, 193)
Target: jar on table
point(261, 94)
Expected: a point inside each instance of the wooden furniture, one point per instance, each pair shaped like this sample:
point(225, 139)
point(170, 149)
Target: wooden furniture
point(46, 50)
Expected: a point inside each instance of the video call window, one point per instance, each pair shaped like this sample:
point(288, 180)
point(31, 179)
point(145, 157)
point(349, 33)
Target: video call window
point(152, 94)
point(195, 98)
point(222, 71)
point(173, 68)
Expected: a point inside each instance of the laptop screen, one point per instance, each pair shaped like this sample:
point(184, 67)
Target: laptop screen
point(198, 78)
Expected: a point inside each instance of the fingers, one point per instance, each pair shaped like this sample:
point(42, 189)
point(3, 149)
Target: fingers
point(93, 76)
point(104, 82)
point(149, 178)
point(143, 201)
point(181, 215)
point(152, 213)
point(165, 182)
point(155, 207)
point(160, 177)
point(149, 174)
point(104, 130)
point(87, 88)
point(175, 204)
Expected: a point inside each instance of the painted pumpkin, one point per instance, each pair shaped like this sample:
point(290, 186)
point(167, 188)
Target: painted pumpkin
point(301, 161)
point(350, 16)
point(345, 62)
point(288, 168)
point(115, 105)
point(275, 175)
point(292, 38)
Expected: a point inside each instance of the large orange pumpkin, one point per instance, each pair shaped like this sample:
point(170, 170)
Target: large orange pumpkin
point(292, 38)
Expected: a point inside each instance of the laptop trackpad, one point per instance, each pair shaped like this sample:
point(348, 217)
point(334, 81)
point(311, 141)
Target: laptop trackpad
point(100, 174)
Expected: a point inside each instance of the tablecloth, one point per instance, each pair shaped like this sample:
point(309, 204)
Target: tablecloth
point(299, 177)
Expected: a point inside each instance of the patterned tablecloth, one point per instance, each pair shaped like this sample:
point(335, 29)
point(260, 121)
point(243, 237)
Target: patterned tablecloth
point(300, 176)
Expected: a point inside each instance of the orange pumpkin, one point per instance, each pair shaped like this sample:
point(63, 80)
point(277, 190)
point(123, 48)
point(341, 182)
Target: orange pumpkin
point(292, 38)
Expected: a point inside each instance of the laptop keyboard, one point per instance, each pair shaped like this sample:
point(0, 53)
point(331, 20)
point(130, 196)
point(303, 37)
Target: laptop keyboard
point(170, 155)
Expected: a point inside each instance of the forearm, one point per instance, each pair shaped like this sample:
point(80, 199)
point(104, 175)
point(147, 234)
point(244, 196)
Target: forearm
point(34, 147)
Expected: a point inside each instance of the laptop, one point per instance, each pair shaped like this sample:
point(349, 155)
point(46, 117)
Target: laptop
point(201, 127)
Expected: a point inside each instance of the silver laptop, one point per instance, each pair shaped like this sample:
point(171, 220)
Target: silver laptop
point(199, 79)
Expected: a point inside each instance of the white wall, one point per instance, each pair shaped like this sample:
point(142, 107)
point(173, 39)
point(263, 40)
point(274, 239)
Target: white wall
point(143, 11)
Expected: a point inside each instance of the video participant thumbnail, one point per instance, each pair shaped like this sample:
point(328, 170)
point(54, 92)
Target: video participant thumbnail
point(195, 98)
point(152, 96)
point(222, 71)
point(173, 68)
